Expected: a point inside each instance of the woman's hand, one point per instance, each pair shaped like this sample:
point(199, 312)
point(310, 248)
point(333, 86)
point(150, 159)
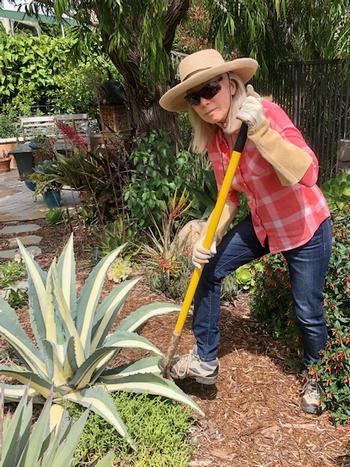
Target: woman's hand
point(201, 255)
point(252, 111)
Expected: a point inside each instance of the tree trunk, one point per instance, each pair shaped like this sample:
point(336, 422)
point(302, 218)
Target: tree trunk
point(143, 102)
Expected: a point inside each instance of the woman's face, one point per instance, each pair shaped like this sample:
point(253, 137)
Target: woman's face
point(214, 110)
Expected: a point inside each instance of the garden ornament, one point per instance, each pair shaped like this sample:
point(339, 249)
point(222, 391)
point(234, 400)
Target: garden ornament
point(165, 363)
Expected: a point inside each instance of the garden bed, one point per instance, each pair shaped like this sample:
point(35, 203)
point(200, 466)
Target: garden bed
point(253, 415)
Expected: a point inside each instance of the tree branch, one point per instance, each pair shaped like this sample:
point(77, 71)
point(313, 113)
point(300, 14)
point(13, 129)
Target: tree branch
point(176, 11)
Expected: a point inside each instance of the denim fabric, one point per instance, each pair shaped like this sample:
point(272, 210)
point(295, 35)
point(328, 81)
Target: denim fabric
point(307, 268)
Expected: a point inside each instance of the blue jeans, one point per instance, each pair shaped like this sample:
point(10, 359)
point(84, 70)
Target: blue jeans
point(307, 269)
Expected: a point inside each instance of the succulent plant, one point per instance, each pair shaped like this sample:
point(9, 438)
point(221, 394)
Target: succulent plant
point(74, 348)
point(41, 445)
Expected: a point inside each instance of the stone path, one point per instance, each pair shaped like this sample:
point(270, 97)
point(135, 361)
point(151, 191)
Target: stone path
point(17, 202)
point(18, 208)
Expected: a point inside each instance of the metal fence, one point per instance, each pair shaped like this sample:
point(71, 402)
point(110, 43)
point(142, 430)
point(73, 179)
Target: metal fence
point(316, 96)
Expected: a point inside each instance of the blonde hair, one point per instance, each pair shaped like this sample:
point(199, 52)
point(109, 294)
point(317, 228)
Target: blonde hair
point(204, 132)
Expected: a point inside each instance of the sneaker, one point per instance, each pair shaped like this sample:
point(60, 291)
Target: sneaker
point(311, 399)
point(191, 366)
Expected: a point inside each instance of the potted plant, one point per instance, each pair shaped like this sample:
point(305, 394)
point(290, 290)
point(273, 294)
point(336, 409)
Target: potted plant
point(46, 181)
point(8, 141)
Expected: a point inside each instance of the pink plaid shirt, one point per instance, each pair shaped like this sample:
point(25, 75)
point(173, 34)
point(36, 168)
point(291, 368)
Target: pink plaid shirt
point(287, 215)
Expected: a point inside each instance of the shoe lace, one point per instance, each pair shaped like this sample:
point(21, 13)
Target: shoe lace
point(312, 388)
point(185, 362)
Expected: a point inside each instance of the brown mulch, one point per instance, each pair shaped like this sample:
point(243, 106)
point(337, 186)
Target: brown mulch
point(252, 413)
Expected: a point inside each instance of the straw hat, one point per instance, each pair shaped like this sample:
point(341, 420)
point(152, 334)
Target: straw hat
point(200, 67)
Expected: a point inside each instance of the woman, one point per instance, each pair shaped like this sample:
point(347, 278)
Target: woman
point(288, 213)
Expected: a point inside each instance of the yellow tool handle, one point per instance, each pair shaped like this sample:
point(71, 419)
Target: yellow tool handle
point(214, 221)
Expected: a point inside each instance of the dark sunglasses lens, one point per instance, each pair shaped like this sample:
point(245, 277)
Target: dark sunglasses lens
point(208, 92)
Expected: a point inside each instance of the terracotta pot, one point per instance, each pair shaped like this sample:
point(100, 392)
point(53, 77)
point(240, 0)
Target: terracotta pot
point(5, 164)
point(6, 146)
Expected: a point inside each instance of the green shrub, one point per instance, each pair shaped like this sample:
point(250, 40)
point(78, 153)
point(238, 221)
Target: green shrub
point(272, 304)
point(159, 171)
point(158, 427)
point(39, 76)
point(8, 127)
point(10, 272)
point(17, 298)
point(54, 216)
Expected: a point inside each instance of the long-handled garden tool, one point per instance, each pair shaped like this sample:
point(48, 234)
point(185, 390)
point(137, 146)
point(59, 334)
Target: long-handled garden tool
point(165, 363)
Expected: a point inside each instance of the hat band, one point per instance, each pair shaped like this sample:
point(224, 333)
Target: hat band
point(195, 71)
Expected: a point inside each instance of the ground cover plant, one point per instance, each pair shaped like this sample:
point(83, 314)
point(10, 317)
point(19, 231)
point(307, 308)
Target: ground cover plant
point(160, 431)
point(74, 348)
point(272, 304)
point(10, 272)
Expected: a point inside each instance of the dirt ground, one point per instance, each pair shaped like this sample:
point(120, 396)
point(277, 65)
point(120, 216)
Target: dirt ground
point(252, 413)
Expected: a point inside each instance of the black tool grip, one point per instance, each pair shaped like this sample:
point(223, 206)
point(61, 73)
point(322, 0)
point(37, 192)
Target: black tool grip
point(242, 137)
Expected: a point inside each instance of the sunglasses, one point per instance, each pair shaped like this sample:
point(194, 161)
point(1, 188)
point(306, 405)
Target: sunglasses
point(208, 92)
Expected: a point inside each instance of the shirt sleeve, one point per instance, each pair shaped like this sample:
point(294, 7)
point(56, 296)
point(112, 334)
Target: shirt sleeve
point(280, 122)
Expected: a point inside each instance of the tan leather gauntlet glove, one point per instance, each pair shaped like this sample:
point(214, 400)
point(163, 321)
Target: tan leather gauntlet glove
point(289, 161)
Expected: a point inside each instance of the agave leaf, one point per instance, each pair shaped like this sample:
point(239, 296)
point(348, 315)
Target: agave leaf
point(126, 339)
point(142, 366)
point(108, 311)
point(65, 453)
point(31, 453)
point(36, 293)
point(89, 298)
point(100, 401)
point(57, 412)
point(14, 334)
point(106, 461)
point(18, 425)
point(71, 355)
point(49, 316)
point(82, 376)
point(67, 320)
point(15, 392)
point(52, 442)
point(66, 274)
point(56, 372)
point(152, 384)
point(144, 313)
point(40, 385)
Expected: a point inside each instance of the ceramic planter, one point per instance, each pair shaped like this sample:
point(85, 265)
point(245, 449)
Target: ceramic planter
point(52, 198)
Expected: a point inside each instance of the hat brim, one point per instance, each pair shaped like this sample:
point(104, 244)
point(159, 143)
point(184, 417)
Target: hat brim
point(174, 99)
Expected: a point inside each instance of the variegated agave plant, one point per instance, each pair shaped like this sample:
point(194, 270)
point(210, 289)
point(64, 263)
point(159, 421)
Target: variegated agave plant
point(73, 345)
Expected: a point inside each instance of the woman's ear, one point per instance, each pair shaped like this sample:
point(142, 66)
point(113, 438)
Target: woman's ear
point(233, 87)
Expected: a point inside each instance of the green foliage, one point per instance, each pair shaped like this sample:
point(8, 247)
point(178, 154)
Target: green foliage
point(37, 72)
point(272, 304)
point(40, 445)
point(273, 31)
point(172, 283)
point(117, 233)
point(10, 272)
point(17, 298)
point(75, 342)
point(337, 191)
point(55, 216)
point(8, 127)
point(158, 172)
point(120, 269)
point(46, 177)
point(160, 437)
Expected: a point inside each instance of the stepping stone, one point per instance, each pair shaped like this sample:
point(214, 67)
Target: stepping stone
point(26, 240)
point(10, 254)
point(20, 228)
